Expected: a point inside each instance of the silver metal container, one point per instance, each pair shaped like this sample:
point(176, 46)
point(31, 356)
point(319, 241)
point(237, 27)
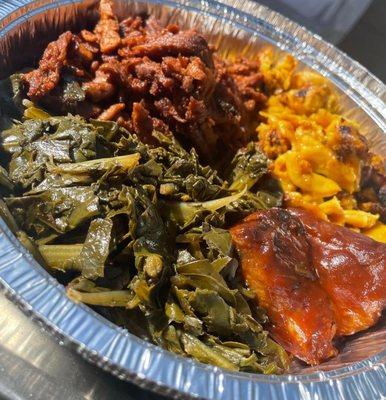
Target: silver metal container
point(359, 372)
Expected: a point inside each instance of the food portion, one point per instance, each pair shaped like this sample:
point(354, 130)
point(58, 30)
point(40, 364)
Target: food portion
point(320, 158)
point(137, 231)
point(316, 280)
point(145, 77)
point(130, 155)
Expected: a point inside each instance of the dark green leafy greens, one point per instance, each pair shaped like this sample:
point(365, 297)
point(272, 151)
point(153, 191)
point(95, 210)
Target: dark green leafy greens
point(53, 212)
point(139, 232)
point(10, 100)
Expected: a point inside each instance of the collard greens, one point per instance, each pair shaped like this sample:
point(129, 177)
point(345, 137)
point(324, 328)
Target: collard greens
point(139, 232)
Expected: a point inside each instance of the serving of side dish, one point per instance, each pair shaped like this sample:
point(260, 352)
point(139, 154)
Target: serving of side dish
point(216, 204)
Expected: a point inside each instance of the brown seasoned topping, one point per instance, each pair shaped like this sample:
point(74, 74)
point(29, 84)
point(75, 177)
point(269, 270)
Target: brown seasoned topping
point(351, 143)
point(167, 79)
point(187, 43)
point(107, 28)
point(100, 88)
point(142, 122)
point(88, 36)
point(44, 79)
point(130, 25)
point(112, 112)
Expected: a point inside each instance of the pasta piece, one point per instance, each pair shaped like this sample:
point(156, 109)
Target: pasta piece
point(377, 232)
point(302, 176)
point(360, 219)
point(333, 210)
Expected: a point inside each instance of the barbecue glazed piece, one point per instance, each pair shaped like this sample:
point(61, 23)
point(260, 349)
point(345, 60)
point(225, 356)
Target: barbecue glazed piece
point(316, 279)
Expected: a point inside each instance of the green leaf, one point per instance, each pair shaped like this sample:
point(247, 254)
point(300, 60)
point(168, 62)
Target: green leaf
point(54, 211)
point(213, 310)
point(10, 100)
point(30, 245)
point(195, 348)
point(5, 182)
point(99, 242)
point(32, 112)
point(219, 240)
point(247, 167)
point(8, 218)
point(60, 256)
point(108, 298)
point(183, 213)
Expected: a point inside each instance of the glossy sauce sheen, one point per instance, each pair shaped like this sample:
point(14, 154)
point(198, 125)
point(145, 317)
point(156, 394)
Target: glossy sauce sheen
point(316, 280)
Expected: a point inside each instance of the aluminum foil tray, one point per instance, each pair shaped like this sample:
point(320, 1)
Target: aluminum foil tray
point(359, 372)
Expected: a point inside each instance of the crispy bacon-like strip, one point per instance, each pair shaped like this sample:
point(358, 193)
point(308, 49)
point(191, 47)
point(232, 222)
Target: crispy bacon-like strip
point(45, 78)
point(107, 29)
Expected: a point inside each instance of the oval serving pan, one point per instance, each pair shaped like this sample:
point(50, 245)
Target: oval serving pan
point(359, 372)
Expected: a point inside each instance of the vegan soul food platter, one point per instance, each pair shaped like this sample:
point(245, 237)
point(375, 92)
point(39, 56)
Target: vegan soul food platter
point(191, 204)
